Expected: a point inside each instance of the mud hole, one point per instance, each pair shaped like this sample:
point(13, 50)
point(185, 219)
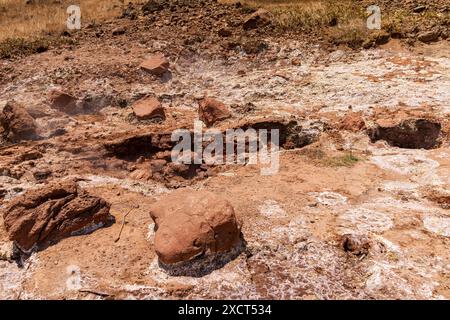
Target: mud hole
point(153, 151)
point(410, 134)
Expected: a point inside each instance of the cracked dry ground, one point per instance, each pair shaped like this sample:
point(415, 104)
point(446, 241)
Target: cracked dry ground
point(395, 196)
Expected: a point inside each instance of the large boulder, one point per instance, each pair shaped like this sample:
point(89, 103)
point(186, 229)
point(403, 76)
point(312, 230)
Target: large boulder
point(51, 213)
point(17, 123)
point(192, 223)
point(211, 111)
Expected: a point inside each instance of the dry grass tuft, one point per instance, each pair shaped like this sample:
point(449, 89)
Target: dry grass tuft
point(316, 155)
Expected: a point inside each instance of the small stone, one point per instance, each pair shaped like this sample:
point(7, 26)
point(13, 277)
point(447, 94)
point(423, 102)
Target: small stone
point(428, 36)
point(7, 251)
point(419, 9)
point(156, 65)
point(258, 19)
point(355, 244)
point(255, 46)
point(141, 174)
point(296, 62)
point(118, 31)
point(212, 111)
point(224, 32)
point(152, 6)
point(148, 108)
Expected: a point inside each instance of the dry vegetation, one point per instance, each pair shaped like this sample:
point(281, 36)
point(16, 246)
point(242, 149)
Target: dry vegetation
point(21, 20)
point(309, 14)
point(343, 21)
point(28, 26)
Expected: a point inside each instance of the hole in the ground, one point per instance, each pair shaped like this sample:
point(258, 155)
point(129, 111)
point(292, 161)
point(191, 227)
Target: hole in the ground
point(150, 154)
point(292, 134)
point(144, 145)
point(409, 134)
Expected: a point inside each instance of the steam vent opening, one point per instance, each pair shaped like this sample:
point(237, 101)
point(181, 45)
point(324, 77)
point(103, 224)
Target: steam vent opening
point(410, 134)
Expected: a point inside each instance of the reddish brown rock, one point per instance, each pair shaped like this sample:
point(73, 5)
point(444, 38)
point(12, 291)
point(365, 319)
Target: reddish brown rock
point(428, 36)
point(148, 108)
point(191, 223)
point(62, 101)
point(357, 245)
point(224, 32)
point(52, 213)
point(296, 62)
point(353, 122)
point(17, 123)
point(211, 111)
point(257, 19)
point(156, 65)
point(255, 46)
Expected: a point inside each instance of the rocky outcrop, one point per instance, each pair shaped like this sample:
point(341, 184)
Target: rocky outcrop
point(51, 213)
point(192, 223)
point(17, 123)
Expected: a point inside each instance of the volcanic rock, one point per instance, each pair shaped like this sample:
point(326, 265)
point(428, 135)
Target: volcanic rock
point(152, 6)
point(211, 111)
point(224, 32)
point(63, 101)
point(17, 123)
point(257, 19)
point(191, 223)
point(156, 65)
point(428, 36)
point(148, 108)
point(255, 46)
point(357, 245)
point(118, 31)
point(51, 213)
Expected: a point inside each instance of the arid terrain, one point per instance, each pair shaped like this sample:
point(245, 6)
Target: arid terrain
point(358, 210)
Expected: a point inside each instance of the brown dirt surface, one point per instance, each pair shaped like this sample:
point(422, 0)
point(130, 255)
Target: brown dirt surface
point(357, 210)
